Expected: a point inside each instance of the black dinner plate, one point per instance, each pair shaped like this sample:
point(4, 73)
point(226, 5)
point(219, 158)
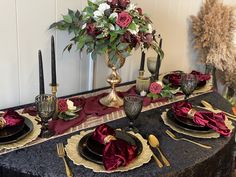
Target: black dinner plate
point(92, 151)
point(185, 122)
point(27, 128)
point(10, 131)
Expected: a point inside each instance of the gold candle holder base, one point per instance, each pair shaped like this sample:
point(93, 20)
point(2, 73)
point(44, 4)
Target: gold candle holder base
point(112, 99)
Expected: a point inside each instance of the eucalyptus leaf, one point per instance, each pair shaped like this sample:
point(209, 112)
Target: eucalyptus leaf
point(122, 46)
point(67, 18)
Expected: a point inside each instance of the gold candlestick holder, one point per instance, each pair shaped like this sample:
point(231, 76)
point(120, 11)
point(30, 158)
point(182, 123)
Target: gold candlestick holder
point(54, 89)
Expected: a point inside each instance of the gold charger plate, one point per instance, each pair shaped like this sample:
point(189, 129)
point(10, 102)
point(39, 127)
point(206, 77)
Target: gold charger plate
point(72, 152)
point(196, 134)
point(30, 137)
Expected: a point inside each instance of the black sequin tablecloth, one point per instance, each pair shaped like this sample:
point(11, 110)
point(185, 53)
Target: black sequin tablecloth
point(187, 160)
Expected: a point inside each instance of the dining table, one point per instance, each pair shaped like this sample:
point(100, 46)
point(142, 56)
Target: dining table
point(186, 159)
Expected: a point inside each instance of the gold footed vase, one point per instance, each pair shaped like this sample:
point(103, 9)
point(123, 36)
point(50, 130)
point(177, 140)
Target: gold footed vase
point(112, 99)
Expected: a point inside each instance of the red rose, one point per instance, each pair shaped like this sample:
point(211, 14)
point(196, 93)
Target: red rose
point(62, 105)
point(122, 4)
point(124, 19)
point(155, 88)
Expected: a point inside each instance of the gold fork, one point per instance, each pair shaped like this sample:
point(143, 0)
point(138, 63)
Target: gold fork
point(185, 139)
point(61, 153)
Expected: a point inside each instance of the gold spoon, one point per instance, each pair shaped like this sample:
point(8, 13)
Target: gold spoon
point(153, 141)
point(208, 105)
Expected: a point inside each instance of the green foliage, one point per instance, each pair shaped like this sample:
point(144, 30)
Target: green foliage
point(100, 34)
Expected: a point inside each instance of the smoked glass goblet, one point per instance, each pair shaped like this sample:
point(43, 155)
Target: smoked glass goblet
point(188, 84)
point(46, 107)
point(151, 65)
point(132, 106)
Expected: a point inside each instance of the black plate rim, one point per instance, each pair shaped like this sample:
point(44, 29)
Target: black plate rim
point(28, 128)
point(81, 148)
point(183, 126)
point(20, 128)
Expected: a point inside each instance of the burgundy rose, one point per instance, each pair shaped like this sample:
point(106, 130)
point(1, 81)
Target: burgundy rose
point(91, 29)
point(124, 3)
point(62, 105)
point(140, 11)
point(147, 38)
point(124, 19)
point(113, 3)
point(130, 38)
point(155, 88)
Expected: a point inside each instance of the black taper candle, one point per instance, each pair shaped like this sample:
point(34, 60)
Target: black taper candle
point(41, 76)
point(142, 62)
point(53, 63)
point(158, 63)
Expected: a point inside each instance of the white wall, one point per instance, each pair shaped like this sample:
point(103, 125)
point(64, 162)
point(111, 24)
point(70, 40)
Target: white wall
point(24, 30)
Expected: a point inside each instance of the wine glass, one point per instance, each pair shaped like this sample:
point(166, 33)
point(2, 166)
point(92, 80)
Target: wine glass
point(151, 65)
point(46, 107)
point(188, 84)
point(132, 106)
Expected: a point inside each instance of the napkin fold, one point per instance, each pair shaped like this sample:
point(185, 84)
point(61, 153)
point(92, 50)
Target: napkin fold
point(10, 118)
point(116, 152)
point(175, 78)
point(215, 121)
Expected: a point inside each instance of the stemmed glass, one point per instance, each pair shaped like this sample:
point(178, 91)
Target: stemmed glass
point(132, 106)
point(151, 65)
point(46, 107)
point(188, 84)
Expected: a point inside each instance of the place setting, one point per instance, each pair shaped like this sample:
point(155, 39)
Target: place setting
point(194, 120)
point(17, 130)
point(109, 150)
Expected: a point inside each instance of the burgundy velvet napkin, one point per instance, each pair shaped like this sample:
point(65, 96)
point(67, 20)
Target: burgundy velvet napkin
point(116, 152)
point(215, 121)
point(175, 78)
point(11, 118)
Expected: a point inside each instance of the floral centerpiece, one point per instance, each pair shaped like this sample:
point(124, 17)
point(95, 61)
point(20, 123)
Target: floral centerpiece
point(110, 27)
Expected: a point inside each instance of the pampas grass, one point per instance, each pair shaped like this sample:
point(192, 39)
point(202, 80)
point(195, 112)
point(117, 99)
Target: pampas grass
point(213, 29)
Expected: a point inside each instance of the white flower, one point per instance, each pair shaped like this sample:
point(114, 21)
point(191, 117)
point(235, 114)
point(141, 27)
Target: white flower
point(97, 14)
point(149, 28)
point(104, 6)
point(113, 15)
point(70, 105)
point(143, 93)
point(84, 26)
point(131, 7)
point(111, 27)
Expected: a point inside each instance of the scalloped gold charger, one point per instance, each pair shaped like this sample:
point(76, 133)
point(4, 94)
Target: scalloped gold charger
point(30, 137)
point(73, 154)
point(196, 134)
